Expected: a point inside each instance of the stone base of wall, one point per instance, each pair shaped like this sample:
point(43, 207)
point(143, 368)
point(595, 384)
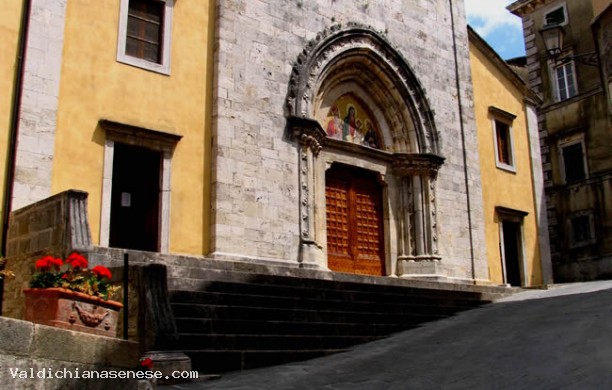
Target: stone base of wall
point(41, 357)
point(584, 270)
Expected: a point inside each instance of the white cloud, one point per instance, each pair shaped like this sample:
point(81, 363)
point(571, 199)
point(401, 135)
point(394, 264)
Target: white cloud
point(487, 15)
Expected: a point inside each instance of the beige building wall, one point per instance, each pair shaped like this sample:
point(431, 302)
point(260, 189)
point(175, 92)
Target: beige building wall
point(502, 188)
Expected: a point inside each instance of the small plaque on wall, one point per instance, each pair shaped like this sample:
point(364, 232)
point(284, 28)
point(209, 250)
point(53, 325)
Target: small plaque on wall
point(126, 199)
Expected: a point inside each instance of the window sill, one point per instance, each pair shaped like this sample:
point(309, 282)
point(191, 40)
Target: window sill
point(143, 64)
point(505, 167)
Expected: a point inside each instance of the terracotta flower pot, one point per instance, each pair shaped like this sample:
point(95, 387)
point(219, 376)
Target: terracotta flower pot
point(71, 310)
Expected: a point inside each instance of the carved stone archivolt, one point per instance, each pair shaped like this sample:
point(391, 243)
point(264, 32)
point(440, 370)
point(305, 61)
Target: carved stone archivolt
point(338, 49)
point(359, 60)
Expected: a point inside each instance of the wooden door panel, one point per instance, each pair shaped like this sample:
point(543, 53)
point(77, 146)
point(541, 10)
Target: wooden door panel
point(337, 202)
point(354, 222)
point(368, 227)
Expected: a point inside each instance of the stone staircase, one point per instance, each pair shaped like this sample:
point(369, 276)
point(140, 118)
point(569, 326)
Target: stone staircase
point(234, 319)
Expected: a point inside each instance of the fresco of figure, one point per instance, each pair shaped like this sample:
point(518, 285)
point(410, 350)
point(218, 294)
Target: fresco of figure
point(370, 136)
point(359, 132)
point(348, 131)
point(334, 126)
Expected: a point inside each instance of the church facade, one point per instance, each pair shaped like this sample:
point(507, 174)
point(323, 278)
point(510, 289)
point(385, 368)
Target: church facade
point(331, 135)
point(342, 137)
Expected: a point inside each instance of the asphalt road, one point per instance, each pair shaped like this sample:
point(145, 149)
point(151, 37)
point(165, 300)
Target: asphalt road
point(543, 339)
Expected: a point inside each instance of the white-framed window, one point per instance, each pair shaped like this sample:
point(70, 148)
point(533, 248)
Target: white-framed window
point(502, 138)
point(581, 228)
point(557, 15)
point(565, 81)
point(145, 29)
point(572, 159)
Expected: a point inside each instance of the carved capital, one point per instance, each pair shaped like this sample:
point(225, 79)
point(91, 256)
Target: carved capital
point(308, 133)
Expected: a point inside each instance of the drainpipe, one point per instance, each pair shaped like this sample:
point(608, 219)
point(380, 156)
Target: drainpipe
point(464, 152)
point(14, 128)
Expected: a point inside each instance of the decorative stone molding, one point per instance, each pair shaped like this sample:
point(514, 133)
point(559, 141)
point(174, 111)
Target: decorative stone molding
point(308, 132)
point(316, 63)
point(311, 138)
point(341, 60)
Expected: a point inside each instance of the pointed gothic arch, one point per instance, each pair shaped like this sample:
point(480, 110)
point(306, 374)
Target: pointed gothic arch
point(341, 59)
point(358, 61)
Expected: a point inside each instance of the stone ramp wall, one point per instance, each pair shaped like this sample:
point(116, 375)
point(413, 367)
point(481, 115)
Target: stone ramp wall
point(40, 352)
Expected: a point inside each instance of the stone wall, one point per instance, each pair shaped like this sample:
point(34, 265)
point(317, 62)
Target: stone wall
point(55, 226)
point(603, 34)
point(255, 177)
point(38, 111)
point(36, 349)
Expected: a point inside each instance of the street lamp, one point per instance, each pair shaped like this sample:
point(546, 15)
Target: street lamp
point(553, 35)
point(553, 39)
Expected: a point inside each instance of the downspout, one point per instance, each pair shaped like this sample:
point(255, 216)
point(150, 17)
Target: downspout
point(14, 123)
point(464, 152)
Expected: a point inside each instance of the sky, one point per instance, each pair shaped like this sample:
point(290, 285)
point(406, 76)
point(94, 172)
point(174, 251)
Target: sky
point(502, 30)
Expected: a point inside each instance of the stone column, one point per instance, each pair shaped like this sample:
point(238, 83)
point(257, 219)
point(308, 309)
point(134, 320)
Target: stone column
point(419, 233)
point(310, 137)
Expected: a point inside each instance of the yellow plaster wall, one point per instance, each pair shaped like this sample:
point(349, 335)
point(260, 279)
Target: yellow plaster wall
point(95, 86)
point(499, 187)
point(10, 19)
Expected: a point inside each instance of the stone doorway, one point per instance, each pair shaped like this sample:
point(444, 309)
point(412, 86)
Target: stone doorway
point(511, 252)
point(134, 222)
point(355, 239)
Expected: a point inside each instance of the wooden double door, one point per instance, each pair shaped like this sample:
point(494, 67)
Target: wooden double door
point(355, 240)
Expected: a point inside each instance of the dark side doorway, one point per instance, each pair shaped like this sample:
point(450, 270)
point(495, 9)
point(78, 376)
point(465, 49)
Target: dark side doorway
point(512, 252)
point(134, 222)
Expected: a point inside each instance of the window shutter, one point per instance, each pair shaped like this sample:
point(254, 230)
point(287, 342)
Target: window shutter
point(144, 30)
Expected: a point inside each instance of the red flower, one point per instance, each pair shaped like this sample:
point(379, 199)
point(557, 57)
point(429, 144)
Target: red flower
point(147, 363)
point(44, 263)
point(65, 276)
point(56, 262)
point(101, 271)
point(76, 260)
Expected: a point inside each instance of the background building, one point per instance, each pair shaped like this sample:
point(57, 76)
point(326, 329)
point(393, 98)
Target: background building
point(512, 186)
point(574, 122)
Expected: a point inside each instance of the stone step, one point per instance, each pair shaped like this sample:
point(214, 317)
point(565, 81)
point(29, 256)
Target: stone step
point(241, 326)
point(234, 320)
point(368, 303)
point(342, 291)
point(191, 310)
